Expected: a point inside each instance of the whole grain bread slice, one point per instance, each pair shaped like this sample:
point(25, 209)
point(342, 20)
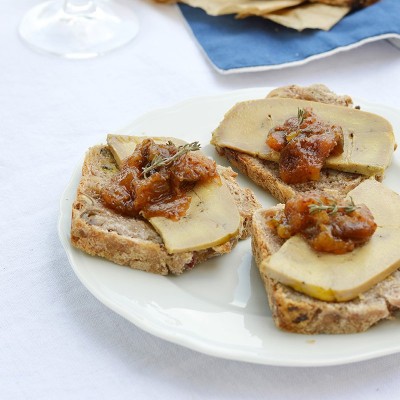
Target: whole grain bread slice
point(296, 312)
point(317, 92)
point(266, 174)
point(133, 242)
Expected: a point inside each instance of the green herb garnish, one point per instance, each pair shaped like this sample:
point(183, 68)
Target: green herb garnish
point(332, 208)
point(160, 161)
point(300, 115)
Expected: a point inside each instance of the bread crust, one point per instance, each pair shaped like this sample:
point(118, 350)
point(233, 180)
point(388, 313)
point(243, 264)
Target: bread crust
point(266, 174)
point(296, 312)
point(133, 242)
point(317, 92)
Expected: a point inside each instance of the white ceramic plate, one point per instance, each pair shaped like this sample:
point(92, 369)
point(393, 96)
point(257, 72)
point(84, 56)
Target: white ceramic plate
point(220, 307)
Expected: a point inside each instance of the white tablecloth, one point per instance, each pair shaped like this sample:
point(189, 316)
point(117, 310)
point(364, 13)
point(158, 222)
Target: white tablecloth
point(56, 340)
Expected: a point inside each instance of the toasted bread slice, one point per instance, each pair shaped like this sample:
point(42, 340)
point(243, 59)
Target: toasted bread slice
point(266, 174)
point(316, 92)
point(133, 242)
point(296, 312)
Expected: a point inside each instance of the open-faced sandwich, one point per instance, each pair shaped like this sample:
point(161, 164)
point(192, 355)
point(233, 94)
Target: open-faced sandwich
point(301, 139)
point(158, 205)
point(330, 264)
point(329, 257)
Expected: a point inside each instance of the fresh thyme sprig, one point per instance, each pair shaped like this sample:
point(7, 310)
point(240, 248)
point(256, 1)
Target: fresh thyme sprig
point(300, 115)
point(332, 208)
point(160, 161)
point(300, 118)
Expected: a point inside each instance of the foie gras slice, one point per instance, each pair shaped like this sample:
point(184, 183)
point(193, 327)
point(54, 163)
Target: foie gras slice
point(368, 138)
point(343, 277)
point(212, 218)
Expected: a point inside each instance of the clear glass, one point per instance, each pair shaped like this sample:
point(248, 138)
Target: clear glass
point(79, 29)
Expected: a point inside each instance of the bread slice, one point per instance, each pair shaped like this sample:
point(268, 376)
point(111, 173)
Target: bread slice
point(296, 312)
point(133, 242)
point(317, 92)
point(266, 174)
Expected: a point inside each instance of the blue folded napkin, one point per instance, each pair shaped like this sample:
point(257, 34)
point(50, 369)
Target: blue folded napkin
point(256, 44)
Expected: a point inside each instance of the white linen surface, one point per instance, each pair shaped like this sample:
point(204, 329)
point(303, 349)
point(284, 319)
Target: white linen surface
point(56, 340)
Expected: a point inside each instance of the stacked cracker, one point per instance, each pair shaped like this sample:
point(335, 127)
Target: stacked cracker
point(296, 14)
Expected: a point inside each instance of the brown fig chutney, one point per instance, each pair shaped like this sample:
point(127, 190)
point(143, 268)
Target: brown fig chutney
point(304, 142)
point(327, 224)
point(155, 180)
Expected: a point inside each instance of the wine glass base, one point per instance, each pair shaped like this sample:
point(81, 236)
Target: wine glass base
point(76, 33)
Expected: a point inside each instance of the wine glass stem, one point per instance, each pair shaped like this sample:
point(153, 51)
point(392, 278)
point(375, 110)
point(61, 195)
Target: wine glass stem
point(79, 7)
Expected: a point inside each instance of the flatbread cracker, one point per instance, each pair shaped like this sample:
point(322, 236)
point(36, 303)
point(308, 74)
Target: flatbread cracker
point(309, 16)
point(252, 7)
